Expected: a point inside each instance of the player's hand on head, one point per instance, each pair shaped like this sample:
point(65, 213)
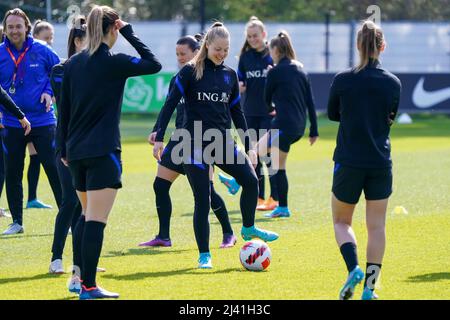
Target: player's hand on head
point(120, 24)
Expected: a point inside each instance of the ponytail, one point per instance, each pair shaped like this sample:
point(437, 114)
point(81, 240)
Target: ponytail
point(253, 22)
point(216, 30)
point(283, 43)
point(370, 40)
point(99, 21)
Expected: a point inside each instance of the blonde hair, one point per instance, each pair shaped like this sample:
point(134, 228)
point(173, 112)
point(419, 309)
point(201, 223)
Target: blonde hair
point(217, 30)
point(370, 40)
point(253, 22)
point(99, 21)
point(283, 43)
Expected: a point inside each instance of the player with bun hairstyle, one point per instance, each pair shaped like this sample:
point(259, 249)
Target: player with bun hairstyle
point(364, 100)
point(288, 88)
point(91, 99)
point(204, 77)
point(187, 47)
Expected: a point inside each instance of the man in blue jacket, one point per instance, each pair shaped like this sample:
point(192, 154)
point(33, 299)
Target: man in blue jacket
point(25, 66)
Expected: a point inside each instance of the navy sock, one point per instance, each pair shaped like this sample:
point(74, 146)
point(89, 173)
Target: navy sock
point(77, 239)
point(33, 176)
point(91, 249)
point(220, 210)
point(282, 188)
point(350, 255)
point(372, 274)
point(163, 206)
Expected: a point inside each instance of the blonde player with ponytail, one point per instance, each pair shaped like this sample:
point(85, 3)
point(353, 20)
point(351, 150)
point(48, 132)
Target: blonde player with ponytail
point(364, 100)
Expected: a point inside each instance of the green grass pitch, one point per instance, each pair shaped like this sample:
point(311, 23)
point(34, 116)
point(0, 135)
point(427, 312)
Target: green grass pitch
point(306, 262)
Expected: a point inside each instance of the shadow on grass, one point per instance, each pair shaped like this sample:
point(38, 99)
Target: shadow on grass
point(4, 237)
point(142, 251)
point(193, 271)
point(24, 279)
point(430, 277)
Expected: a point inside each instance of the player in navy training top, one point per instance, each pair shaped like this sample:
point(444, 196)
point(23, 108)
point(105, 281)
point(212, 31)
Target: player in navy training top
point(364, 101)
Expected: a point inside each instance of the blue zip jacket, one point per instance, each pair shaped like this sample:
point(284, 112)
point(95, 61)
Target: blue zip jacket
point(33, 79)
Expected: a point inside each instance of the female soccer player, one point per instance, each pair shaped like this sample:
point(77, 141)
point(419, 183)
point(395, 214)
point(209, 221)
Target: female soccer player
point(43, 30)
point(92, 91)
point(364, 101)
point(287, 87)
point(168, 171)
point(211, 93)
point(70, 206)
point(254, 63)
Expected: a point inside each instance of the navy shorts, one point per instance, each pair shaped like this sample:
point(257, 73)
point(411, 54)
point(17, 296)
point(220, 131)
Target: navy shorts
point(168, 158)
point(349, 182)
point(97, 173)
point(284, 141)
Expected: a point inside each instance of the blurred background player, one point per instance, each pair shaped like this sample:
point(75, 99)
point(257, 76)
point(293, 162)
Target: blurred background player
point(254, 63)
point(186, 48)
point(364, 101)
point(288, 87)
point(70, 210)
point(44, 31)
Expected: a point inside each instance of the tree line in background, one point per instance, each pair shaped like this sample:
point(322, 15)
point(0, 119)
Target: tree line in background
point(241, 10)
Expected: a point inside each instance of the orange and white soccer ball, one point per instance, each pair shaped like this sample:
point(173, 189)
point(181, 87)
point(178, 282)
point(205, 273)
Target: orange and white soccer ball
point(255, 255)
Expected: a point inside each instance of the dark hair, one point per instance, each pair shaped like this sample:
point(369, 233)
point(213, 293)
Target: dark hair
point(39, 26)
point(78, 30)
point(1, 34)
point(284, 45)
point(17, 12)
point(193, 42)
point(253, 22)
point(99, 21)
point(370, 41)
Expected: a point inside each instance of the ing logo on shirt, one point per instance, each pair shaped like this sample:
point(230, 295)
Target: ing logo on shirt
point(257, 74)
point(214, 97)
